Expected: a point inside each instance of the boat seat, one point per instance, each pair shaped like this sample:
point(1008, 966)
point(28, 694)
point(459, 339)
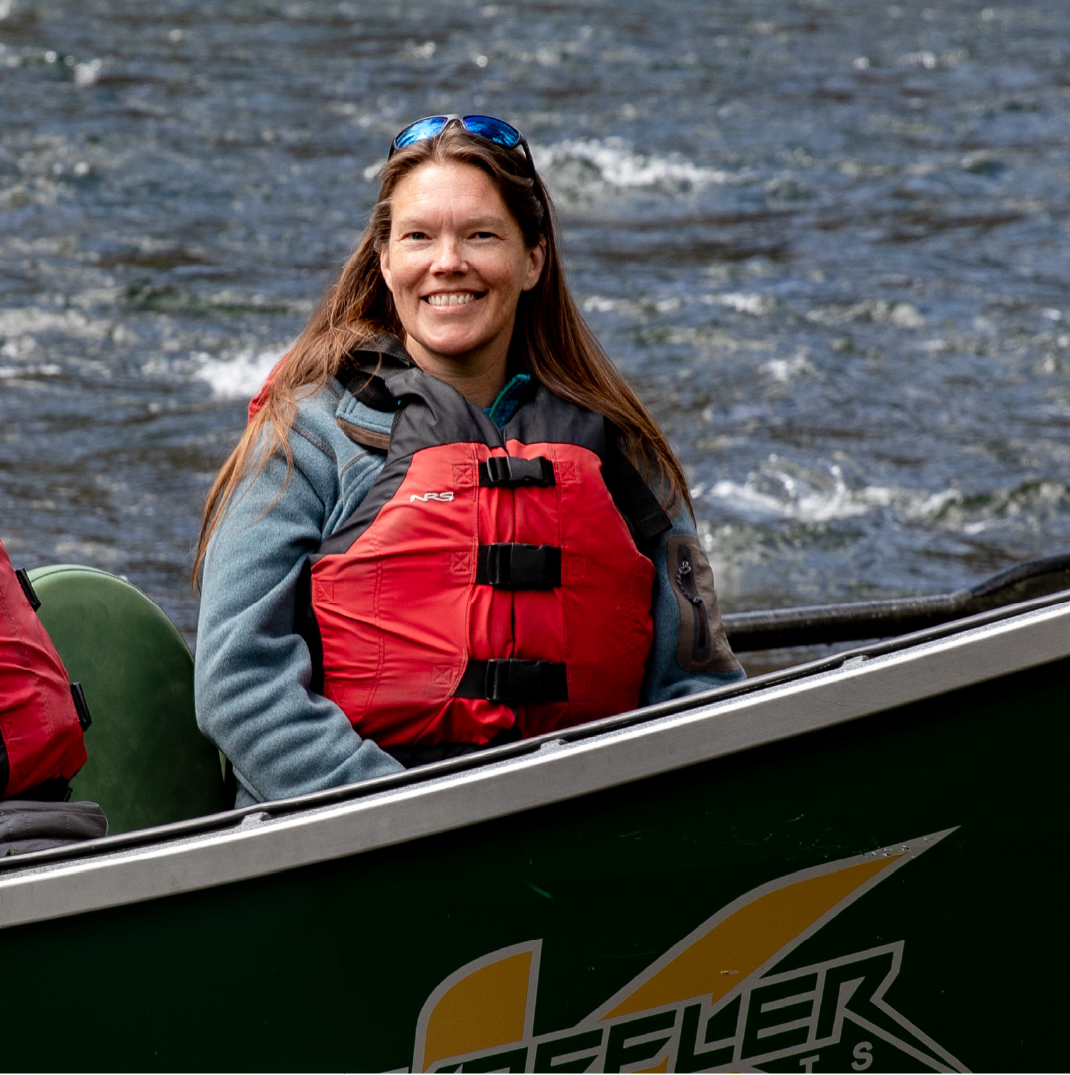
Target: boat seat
point(148, 762)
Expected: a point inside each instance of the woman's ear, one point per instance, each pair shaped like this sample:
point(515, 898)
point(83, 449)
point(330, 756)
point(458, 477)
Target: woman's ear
point(384, 265)
point(537, 256)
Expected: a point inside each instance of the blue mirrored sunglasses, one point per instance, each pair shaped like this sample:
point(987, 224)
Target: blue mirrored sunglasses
point(493, 130)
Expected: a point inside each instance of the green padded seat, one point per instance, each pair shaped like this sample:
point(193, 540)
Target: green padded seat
point(148, 762)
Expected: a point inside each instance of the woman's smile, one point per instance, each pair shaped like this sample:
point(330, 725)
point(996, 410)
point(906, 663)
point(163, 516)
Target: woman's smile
point(452, 298)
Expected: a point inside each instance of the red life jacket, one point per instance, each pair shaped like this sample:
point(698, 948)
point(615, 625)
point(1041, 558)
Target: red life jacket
point(492, 580)
point(261, 396)
point(41, 745)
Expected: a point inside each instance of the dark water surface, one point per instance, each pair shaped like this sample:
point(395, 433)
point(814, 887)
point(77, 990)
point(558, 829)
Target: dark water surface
point(828, 240)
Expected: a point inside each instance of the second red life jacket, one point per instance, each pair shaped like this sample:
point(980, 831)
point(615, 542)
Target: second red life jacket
point(41, 741)
point(490, 580)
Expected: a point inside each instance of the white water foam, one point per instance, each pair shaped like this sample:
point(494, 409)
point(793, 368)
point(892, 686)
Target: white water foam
point(746, 303)
point(47, 369)
point(785, 492)
point(780, 490)
point(612, 162)
point(238, 377)
point(785, 370)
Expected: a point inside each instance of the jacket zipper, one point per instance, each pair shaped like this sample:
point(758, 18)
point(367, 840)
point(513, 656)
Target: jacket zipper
point(685, 580)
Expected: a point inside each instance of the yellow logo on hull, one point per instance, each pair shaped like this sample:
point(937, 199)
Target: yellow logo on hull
point(710, 1003)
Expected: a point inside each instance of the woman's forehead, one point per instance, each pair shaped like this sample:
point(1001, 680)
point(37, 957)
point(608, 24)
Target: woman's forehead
point(449, 190)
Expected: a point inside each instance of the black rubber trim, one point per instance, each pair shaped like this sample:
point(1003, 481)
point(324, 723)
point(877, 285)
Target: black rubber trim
point(511, 566)
point(81, 706)
point(513, 682)
point(511, 470)
point(27, 588)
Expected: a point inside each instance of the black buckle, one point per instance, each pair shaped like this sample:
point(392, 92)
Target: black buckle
point(511, 566)
point(514, 682)
point(496, 681)
point(512, 470)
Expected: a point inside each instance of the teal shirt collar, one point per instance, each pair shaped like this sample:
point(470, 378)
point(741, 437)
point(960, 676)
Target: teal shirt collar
point(509, 400)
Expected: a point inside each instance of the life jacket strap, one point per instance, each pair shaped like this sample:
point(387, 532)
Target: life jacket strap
point(511, 566)
point(81, 706)
point(27, 588)
point(514, 682)
point(511, 470)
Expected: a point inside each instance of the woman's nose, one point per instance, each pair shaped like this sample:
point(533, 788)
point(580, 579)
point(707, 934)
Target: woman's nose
point(449, 256)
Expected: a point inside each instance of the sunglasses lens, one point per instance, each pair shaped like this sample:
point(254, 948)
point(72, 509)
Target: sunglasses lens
point(494, 130)
point(420, 130)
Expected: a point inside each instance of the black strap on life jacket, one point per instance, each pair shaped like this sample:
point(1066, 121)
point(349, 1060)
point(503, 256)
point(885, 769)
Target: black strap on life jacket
point(512, 566)
point(511, 470)
point(81, 706)
point(635, 500)
point(514, 682)
point(27, 588)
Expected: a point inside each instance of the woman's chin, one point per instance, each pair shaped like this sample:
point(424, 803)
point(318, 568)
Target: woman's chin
point(454, 347)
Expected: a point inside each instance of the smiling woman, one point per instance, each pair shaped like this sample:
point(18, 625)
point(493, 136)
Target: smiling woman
point(450, 523)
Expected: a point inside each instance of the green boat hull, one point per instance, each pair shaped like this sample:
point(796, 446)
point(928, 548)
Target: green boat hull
point(880, 894)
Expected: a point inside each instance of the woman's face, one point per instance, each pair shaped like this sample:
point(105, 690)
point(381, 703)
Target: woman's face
point(456, 264)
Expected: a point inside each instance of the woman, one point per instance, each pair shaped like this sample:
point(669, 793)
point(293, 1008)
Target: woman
point(438, 532)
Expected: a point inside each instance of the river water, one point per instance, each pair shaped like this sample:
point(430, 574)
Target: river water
point(827, 240)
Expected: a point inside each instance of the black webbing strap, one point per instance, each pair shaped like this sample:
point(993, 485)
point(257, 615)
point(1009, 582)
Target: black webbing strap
point(514, 682)
point(81, 706)
point(634, 498)
point(27, 588)
point(510, 470)
point(510, 566)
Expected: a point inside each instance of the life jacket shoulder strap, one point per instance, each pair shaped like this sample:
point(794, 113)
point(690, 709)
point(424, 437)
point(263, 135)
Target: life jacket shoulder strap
point(635, 499)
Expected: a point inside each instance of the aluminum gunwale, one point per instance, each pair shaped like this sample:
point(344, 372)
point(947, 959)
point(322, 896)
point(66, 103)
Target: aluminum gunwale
point(257, 844)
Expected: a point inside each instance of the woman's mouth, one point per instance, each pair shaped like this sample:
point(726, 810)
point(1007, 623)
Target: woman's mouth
point(453, 298)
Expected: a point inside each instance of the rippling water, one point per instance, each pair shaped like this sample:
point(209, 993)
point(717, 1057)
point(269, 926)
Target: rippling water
point(826, 239)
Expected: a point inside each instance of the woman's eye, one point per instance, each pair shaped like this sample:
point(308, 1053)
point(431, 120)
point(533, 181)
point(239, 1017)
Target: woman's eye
point(419, 236)
point(484, 235)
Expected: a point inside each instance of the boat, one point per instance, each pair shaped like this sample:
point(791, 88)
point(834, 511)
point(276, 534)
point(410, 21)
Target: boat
point(850, 864)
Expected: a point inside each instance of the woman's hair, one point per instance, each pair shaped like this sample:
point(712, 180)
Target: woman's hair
point(551, 340)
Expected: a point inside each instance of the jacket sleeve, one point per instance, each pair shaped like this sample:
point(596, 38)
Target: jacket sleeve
point(690, 652)
point(252, 671)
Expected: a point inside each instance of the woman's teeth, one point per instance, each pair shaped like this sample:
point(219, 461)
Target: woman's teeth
point(453, 298)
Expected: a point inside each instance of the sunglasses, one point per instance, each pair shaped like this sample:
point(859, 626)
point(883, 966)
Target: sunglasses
point(493, 130)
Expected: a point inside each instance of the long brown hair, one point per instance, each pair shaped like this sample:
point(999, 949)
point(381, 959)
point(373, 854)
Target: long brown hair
point(551, 340)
